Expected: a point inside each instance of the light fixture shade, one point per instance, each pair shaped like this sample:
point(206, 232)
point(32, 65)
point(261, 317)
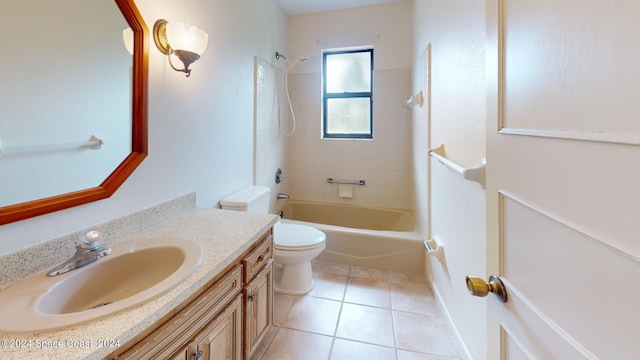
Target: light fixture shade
point(127, 37)
point(181, 36)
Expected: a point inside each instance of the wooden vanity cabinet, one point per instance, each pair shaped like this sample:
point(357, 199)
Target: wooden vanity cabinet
point(227, 321)
point(258, 295)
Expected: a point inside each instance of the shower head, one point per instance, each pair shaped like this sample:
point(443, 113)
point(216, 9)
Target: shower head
point(280, 55)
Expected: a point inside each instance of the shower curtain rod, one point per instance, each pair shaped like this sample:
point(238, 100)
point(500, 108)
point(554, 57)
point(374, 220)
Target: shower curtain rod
point(347, 38)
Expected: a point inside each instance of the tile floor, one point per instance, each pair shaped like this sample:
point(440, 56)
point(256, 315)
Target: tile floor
point(359, 313)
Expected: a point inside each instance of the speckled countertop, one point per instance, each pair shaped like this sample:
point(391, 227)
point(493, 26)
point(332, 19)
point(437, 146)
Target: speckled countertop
point(223, 236)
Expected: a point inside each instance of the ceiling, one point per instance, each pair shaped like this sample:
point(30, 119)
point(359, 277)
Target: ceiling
point(296, 7)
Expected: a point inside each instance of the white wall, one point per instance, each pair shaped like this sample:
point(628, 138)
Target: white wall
point(384, 162)
point(456, 32)
point(200, 128)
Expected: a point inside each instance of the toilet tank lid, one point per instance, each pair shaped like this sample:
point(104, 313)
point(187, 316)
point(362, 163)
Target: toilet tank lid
point(245, 196)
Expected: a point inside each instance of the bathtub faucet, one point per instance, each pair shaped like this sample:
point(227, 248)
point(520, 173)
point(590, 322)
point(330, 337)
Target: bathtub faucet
point(282, 196)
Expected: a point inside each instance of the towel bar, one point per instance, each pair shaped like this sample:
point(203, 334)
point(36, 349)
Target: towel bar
point(94, 142)
point(474, 173)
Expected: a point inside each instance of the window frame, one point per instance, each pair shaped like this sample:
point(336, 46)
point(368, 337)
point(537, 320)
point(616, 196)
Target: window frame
point(345, 95)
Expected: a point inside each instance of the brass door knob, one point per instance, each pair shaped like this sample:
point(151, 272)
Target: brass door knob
point(478, 287)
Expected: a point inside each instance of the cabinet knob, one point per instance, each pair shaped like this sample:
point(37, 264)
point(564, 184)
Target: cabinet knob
point(197, 355)
point(251, 297)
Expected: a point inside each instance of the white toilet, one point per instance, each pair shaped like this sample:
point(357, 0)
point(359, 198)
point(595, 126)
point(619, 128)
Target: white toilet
point(294, 245)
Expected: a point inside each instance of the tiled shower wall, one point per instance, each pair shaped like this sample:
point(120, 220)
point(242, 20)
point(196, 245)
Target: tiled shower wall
point(307, 160)
point(384, 162)
point(270, 146)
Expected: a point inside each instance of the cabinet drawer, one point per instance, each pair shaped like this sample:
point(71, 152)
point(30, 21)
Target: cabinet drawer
point(180, 329)
point(257, 258)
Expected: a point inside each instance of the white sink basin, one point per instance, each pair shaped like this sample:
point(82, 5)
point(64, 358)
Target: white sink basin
point(134, 272)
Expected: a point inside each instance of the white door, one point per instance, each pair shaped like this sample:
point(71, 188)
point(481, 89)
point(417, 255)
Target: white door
point(563, 178)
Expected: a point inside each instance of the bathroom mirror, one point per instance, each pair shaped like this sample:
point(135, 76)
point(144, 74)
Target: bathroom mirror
point(73, 102)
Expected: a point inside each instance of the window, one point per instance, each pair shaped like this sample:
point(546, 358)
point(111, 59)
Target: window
point(347, 94)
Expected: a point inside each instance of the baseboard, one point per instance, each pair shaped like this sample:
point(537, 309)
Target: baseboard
point(463, 348)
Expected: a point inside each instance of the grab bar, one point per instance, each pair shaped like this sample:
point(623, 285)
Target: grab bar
point(94, 142)
point(345, 182)
point(474, 173)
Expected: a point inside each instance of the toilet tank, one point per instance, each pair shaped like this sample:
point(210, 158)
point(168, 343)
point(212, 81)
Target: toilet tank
point(250, 199)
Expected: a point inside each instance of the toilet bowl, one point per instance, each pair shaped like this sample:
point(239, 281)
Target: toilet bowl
point(294, 248)
point(294, 245)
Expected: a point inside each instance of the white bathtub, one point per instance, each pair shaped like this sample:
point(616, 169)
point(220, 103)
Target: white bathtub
point(379, 238)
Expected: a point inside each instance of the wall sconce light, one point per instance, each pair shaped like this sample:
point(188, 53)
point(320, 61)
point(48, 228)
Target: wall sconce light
point(185, 41)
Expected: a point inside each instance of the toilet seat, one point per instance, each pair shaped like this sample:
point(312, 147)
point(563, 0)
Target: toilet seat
point(296, 237)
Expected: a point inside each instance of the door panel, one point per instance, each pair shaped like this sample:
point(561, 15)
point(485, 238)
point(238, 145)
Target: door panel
point(562, 178)
point(593, 185)
point(512, 348)
point(538, 339)
point(543, 37)
point(568, 274)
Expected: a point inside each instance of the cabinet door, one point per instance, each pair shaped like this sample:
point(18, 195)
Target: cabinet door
point(180, 355)
point(221, 339)
point(258, 311)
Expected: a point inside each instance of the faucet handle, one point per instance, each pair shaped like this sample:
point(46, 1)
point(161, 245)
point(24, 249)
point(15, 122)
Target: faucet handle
point(91, 239)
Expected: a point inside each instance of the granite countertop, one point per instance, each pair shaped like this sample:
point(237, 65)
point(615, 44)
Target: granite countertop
point(223, 236)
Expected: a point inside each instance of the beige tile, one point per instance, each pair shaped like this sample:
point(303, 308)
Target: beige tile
point(352, 350)
point(329, 286)
point(406, 278)
point(314, 315)
point(330, 268)
point(414, 298)
point(368, 273)
point(424, 333)
point(410, 355)
point(368, 292)
point(282, 304)
point(294, 345)
point(368, 324)
point(364, 325)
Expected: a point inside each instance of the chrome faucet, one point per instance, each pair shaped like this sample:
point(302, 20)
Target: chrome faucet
point(87, 252)
point(282, 196)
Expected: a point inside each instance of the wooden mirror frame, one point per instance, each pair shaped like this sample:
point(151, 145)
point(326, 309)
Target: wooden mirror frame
point(47, 205)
